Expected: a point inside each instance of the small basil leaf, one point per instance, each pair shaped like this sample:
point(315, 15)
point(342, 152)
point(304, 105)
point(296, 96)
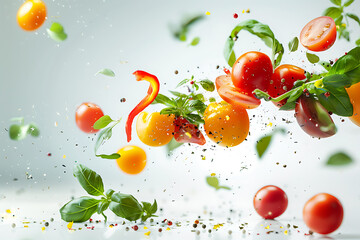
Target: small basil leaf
point(312, 57)
point(104, 135)
point(162, 99)
point(212, 99)
point(33, 130)
point(89, 180)
point(199, 97)
point(347, 63)
point(348, 3)
point(325, 65)
point(18, 132)
point(299, 83)
point(358, 42)
point(102, 206)
point(336, 2)
point(264, 142)
point(126, 206)
point(332, 12)
point(181, 31)
point(295, 95)
point(338, 102)
point(110, 156)
point(102, 122)
point(293, 44)
point(214, 182)
point(336, 81)
point(107, 72)
point(339, 159)
point(56, 32)
point(178, 94)
point(196, 105)
point(354, 17)
point(146, 206)
point(79, 210)
point(109, 193)
point(195, 41)
point(288, 106)
point(183, 82)
point(172, 145)
point(153, 207)
point(167, 111)
point(207, 85)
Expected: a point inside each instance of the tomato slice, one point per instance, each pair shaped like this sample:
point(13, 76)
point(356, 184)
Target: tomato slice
point(319, 34)
point(186, 132)
point(232, 95)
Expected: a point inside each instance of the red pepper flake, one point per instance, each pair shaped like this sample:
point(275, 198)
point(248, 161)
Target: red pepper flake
point(346, 53)
point(90, 220)
point(226, 71)
point(115, 224)
point(192, 82)
point(164, 220)
point(197, 221)
point(236, 15)
point(135, 227)
point(160, 229)
point(49, 154)
point(327, 94)
point(169, 223)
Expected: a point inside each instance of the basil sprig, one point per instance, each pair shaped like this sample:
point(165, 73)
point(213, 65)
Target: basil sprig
point(20, 131)
point(213, 181)
point(123, 205)
point(338, 14)
point(329, 87)
point(260, 30)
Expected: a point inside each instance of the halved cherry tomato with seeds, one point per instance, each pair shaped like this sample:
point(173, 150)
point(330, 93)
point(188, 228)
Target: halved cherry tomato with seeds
point(319, 34)
point(252, 70)
point(226, 124)
point(323, 213)
point(313, 118)
point(155, 129)
point(31, 15)
point(86, 115)
point(283, 80)
point(354, 94)
point(186, 132)
point(230, 94)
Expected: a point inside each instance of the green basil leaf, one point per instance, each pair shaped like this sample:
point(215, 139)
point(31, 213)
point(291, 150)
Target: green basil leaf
point(167, 111)
point(79, 209)
point(332, 12)
point(312, 57)
point(18, 132)
point(102, 206)
point(109, 193)
point(126, 206)
point(162, 99)
point(347, 63)
point(348, 3)
point(194, 119)
point(33, 130)
point(195, 41)
point(325, 65)
point(339, 159)
point(107, 72)
point(153, 207)
point(56, 32)
point(104, 135)
point(293, 44)
point(344, 33)
point(109, 156)
point(288, 106)
point(146, 206)
point(258, 29)
point(295, 95)
point(199, 97)
point(196, 105)
point(172, 145)
point(358, 42)
point(212, 99)
point(338, 102)
point(102, 122)
point(263, 144)
point(183, 82)
point(178, 94)
point(207, 84)
point(354, 17)
point(336, 81)
point(354, 75)
point(336, 2)
point(214, 182)
point(181, 31)
point(338, 21)
point(89, 180)
point(299, 83)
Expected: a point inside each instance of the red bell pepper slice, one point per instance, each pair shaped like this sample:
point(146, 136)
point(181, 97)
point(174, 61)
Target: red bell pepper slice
point(186, 132)
point(233, 95)
point(146, 101)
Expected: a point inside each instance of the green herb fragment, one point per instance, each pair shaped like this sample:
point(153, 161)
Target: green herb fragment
point(56, 32)
point(214, 182)
point(348, 3)
point(19, 132)
point(107, 72)
point(358, 42)
point(264, 142)
point(102, 122)
point(336, 2)
point(109, 156)
point(105, 135)
point(354, 17)
point(212, 99)
point(333, 12)
point(294, 44)
point(195, 41)
point(339, 159)
point(207, 85)
point(172, 145)
point(180, 32)
point(325, 65)
point(312, 57)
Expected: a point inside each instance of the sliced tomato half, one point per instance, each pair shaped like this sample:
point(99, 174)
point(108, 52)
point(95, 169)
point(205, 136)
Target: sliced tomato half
point(186, 132)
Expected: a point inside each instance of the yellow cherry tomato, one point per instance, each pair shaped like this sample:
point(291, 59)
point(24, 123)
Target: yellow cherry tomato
point(31, 15)
point(354, 94)
point(132, 159)
point(154, 129)
point(226, 124)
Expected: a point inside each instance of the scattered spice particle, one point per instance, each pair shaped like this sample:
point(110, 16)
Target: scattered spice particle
point(194, 225)
point(213, 174)
point(46, 224)
point(176, 71)
point(13, 225)
point(8, 211)
point(123, 100)
point(167, 229)
point(43, 229)
point(160, 230)
point(64, 156)
point(69, 226)
point(236, 15)
point(147, 233)
point(135, 227)
point(286, 232)
point(26, 226)
point(207, 13)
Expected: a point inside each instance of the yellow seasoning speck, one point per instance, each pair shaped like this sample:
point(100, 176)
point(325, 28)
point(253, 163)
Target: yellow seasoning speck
point(26, 226)
point(111, 226)
point(203, 158)
point(344, 24)
point(227, 117)
point(286, 232)
point(281, 226)
point(145, 227)
point(188, 135)
point(8, 211)
point(64, 156)
point(147, 233)
point(213, 174)
point(248, 10)
point(267, 227)
point(243, 11)
point(207, 13)
point(168, 229)
point(270, 124)
point(69, 226)
point(43, 228)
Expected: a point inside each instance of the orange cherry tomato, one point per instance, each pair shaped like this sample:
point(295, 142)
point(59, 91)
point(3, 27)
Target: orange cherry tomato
point(323, 213)
point(31, 15)
point(132, 159)
point(225, 124)
point(86, 115)
point(155, 129)
point(232, 95)
point(354, 94)
point(319, 34)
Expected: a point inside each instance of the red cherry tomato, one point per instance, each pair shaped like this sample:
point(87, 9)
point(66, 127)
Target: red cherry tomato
point(185, 132)
point(319, 34)
point(313, 118)
point(252, 70)
point(233, 95)
point(86, 115)
point(270, 202)
point(323, 213)
point(283, 80)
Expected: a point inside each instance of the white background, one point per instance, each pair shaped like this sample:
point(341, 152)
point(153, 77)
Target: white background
point(44, 81)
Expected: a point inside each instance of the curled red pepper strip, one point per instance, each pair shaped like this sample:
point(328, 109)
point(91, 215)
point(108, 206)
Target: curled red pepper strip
point(146, 101)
